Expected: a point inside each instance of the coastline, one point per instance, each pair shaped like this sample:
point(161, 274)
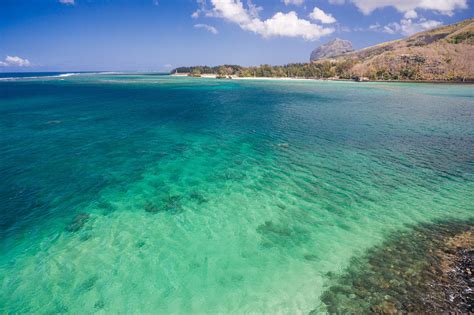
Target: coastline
point(233, 77)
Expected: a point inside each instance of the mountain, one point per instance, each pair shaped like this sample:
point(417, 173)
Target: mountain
point(444, 53)
point(333, 48)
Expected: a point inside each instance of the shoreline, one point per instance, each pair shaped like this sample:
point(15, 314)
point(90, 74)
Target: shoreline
point(233, 77)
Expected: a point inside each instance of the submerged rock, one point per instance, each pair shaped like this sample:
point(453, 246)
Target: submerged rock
point(151, 208)
point(88, 284)
point(284, 145)
point(85, 237)
point(274, 234)
point(270, 227)
point(386, 308)
point(198, 197)
point(171, 204)
point(105, 206)
point(425, 271)
point(99, 305)
point(78, 222)
point(311, 257)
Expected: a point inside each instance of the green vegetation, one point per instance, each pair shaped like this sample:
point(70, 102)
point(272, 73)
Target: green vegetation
point(195, 73)
point(341, 69)
point(463, 37)
point(326, 69)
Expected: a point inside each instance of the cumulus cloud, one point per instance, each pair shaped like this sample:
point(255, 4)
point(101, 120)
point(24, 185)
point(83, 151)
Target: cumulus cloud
point(280, 24)
point(208, 28)
point(68, 2)
point(289, 25)
point(254, 10)
point(411, 14)
point(410, 27)
point(294, 2)
point(15, 61)
point(202, 8)
point(375, 26)
point(337, 2)
point(320, 15)
point(442, 6)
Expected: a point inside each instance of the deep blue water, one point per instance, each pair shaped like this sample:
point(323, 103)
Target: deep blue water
point(19, 75)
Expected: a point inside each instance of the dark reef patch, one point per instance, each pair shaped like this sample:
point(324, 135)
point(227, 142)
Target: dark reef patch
point(198, 197)
point(311, 257)
point(99, 305)
point(88, 284)
point(140, 244)
point(270, 228)
point(425, 270)
point(151, 208)
point(106, 207)
point(78, 222)
point(171, 204)
point(282, 234)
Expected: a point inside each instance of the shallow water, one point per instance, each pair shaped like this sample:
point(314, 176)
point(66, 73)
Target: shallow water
point(124, 193)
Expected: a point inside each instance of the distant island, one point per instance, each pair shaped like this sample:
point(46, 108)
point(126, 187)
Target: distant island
point(442, 54)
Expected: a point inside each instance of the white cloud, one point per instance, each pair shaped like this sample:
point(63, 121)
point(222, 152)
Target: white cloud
point(280, 24)
point(411, 14)
point(344, 29)
point(208, 28)
point(15, 61)
point(293, 2)
point(320, 15)
point(202, 9)
point(410, 27)
point(254, 10)
point(68, 2)
point(375, 26)
point(337, 2)
point(442, 6)
point(289, 25)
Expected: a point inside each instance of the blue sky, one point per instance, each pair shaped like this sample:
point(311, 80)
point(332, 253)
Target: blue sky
point(157, 35)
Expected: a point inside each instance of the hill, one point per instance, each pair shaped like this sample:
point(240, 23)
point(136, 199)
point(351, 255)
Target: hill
point(334, 48)
point(445, 53)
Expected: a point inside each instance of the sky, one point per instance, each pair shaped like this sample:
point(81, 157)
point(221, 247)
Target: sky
point(159, 35)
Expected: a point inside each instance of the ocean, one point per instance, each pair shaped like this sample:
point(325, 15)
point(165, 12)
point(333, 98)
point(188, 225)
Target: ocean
point(129, 193)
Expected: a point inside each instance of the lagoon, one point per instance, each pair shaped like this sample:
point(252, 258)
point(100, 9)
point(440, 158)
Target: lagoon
point(137, 193)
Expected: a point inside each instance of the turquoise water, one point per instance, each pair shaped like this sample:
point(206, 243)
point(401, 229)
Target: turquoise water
point(134, 193)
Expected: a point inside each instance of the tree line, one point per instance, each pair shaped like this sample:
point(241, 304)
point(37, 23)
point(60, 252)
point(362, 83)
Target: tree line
point(403, 67)
point(326, 69)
